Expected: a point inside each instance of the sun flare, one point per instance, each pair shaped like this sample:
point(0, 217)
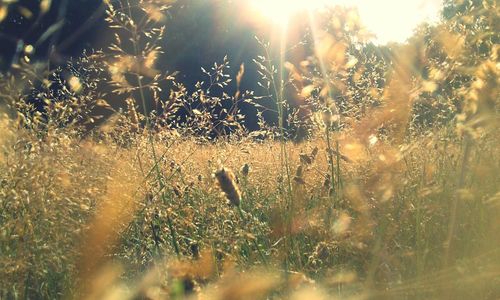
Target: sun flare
point(389, 20)
point(280, 11)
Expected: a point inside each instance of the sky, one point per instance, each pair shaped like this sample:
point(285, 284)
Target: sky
point(395, 20)
point(389, 20)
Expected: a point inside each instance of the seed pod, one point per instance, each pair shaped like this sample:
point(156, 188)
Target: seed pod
point(227, 183)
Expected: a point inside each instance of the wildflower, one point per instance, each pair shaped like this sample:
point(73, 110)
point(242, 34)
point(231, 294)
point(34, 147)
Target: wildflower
point(227, 183)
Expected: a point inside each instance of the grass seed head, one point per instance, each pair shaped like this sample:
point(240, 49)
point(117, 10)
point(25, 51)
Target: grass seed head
point(227, 183)
point(245, 169)
point(305, 159)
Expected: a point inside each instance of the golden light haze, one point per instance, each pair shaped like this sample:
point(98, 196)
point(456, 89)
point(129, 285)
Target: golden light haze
point(389, 20)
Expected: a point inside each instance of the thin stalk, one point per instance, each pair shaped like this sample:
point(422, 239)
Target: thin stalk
point(339, 178)
point(135, 38)
point(454, 206)
point(467, 147)
point(261, 253)
point(279, 94)
point(418, 227)
point(330, 160)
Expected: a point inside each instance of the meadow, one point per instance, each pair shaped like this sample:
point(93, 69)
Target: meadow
point(382, 183)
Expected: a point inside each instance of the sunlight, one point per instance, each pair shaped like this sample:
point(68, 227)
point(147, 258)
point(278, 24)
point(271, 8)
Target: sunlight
point(394, 20)
point(389, 20)
point(280, 11)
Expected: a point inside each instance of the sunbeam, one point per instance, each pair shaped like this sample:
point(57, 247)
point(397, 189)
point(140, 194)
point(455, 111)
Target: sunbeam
point(388, 20)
